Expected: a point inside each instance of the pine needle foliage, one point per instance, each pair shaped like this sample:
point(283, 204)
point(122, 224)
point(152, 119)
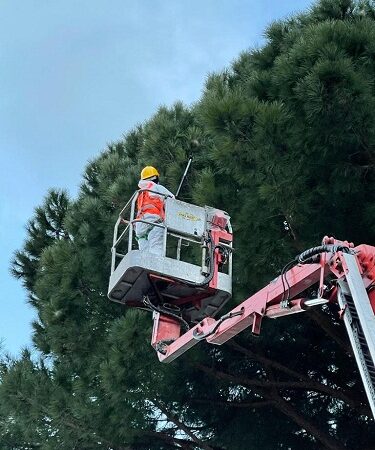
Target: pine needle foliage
point(284, 141)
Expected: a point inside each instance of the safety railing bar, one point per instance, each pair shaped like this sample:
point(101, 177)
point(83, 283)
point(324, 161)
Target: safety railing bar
point(170, 233)
point(113, 262)
point(118, 221)
point(116, 253)
point(113, 259)
point(160, 225)
point(121, 236)
point(184, 237)
point(165, 237)
point(178, 254)
point(128, 203)
point(115, 232)
point(131, 228)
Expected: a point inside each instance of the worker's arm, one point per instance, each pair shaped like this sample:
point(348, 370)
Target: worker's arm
point(162, 190)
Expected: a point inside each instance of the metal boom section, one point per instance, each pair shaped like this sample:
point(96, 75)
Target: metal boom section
point(353, 273)
point(264, 303)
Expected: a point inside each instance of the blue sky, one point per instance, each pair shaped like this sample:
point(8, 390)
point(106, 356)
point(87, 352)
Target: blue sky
point(77, 75)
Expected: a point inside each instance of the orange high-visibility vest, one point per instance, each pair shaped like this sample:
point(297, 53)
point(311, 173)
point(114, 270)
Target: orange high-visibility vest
point(147, 204)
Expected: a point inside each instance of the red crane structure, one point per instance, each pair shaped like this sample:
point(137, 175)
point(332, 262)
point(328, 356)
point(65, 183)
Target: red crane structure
point(185, 297)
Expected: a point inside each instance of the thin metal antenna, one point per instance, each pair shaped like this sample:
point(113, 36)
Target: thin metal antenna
point(184, 175)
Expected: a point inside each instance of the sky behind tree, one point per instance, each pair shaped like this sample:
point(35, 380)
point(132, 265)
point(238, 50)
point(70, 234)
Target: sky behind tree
point(77, 75)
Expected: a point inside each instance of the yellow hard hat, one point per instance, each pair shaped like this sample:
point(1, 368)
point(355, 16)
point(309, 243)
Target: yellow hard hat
point(149, 172)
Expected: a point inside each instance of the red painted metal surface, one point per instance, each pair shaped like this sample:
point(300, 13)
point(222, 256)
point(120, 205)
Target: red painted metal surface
point(295, 306)
point(184, 343)
point(268, 302)
point(164, 329)
point(218, 235)
point(253, 309)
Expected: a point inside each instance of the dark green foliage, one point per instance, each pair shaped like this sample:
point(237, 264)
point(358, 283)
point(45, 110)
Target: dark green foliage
point(284, 141)
point(43, 229)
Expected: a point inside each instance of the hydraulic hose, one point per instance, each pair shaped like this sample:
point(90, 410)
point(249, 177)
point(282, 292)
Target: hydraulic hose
point(200, 336)
point(212, 268)
point(166, 312)
point(306, 256)
point(210, 275)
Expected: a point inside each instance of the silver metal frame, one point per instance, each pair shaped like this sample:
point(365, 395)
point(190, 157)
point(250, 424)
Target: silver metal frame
point(130, 210)
point(130, 272)
point(359, 320)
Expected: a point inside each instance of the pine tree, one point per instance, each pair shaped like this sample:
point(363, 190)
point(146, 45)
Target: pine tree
point(284, 141)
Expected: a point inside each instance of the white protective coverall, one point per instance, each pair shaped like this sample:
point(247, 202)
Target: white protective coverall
point(150, 238)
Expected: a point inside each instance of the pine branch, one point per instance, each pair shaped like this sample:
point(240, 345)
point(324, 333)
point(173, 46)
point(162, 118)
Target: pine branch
point(292, 413)
point(328, 441)
point(306, 382)
point(182, 443)
point(326, 325)
point(172, 418)
point(231, 404)
point(263, 389)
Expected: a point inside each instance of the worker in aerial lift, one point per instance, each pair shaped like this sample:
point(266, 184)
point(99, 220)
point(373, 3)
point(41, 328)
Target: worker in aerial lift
point(150, 206)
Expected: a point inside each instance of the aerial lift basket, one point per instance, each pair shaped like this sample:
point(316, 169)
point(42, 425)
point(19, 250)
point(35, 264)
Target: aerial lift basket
point(192, 279)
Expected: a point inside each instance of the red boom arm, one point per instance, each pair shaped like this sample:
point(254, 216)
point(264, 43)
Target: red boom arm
point(278, 298)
